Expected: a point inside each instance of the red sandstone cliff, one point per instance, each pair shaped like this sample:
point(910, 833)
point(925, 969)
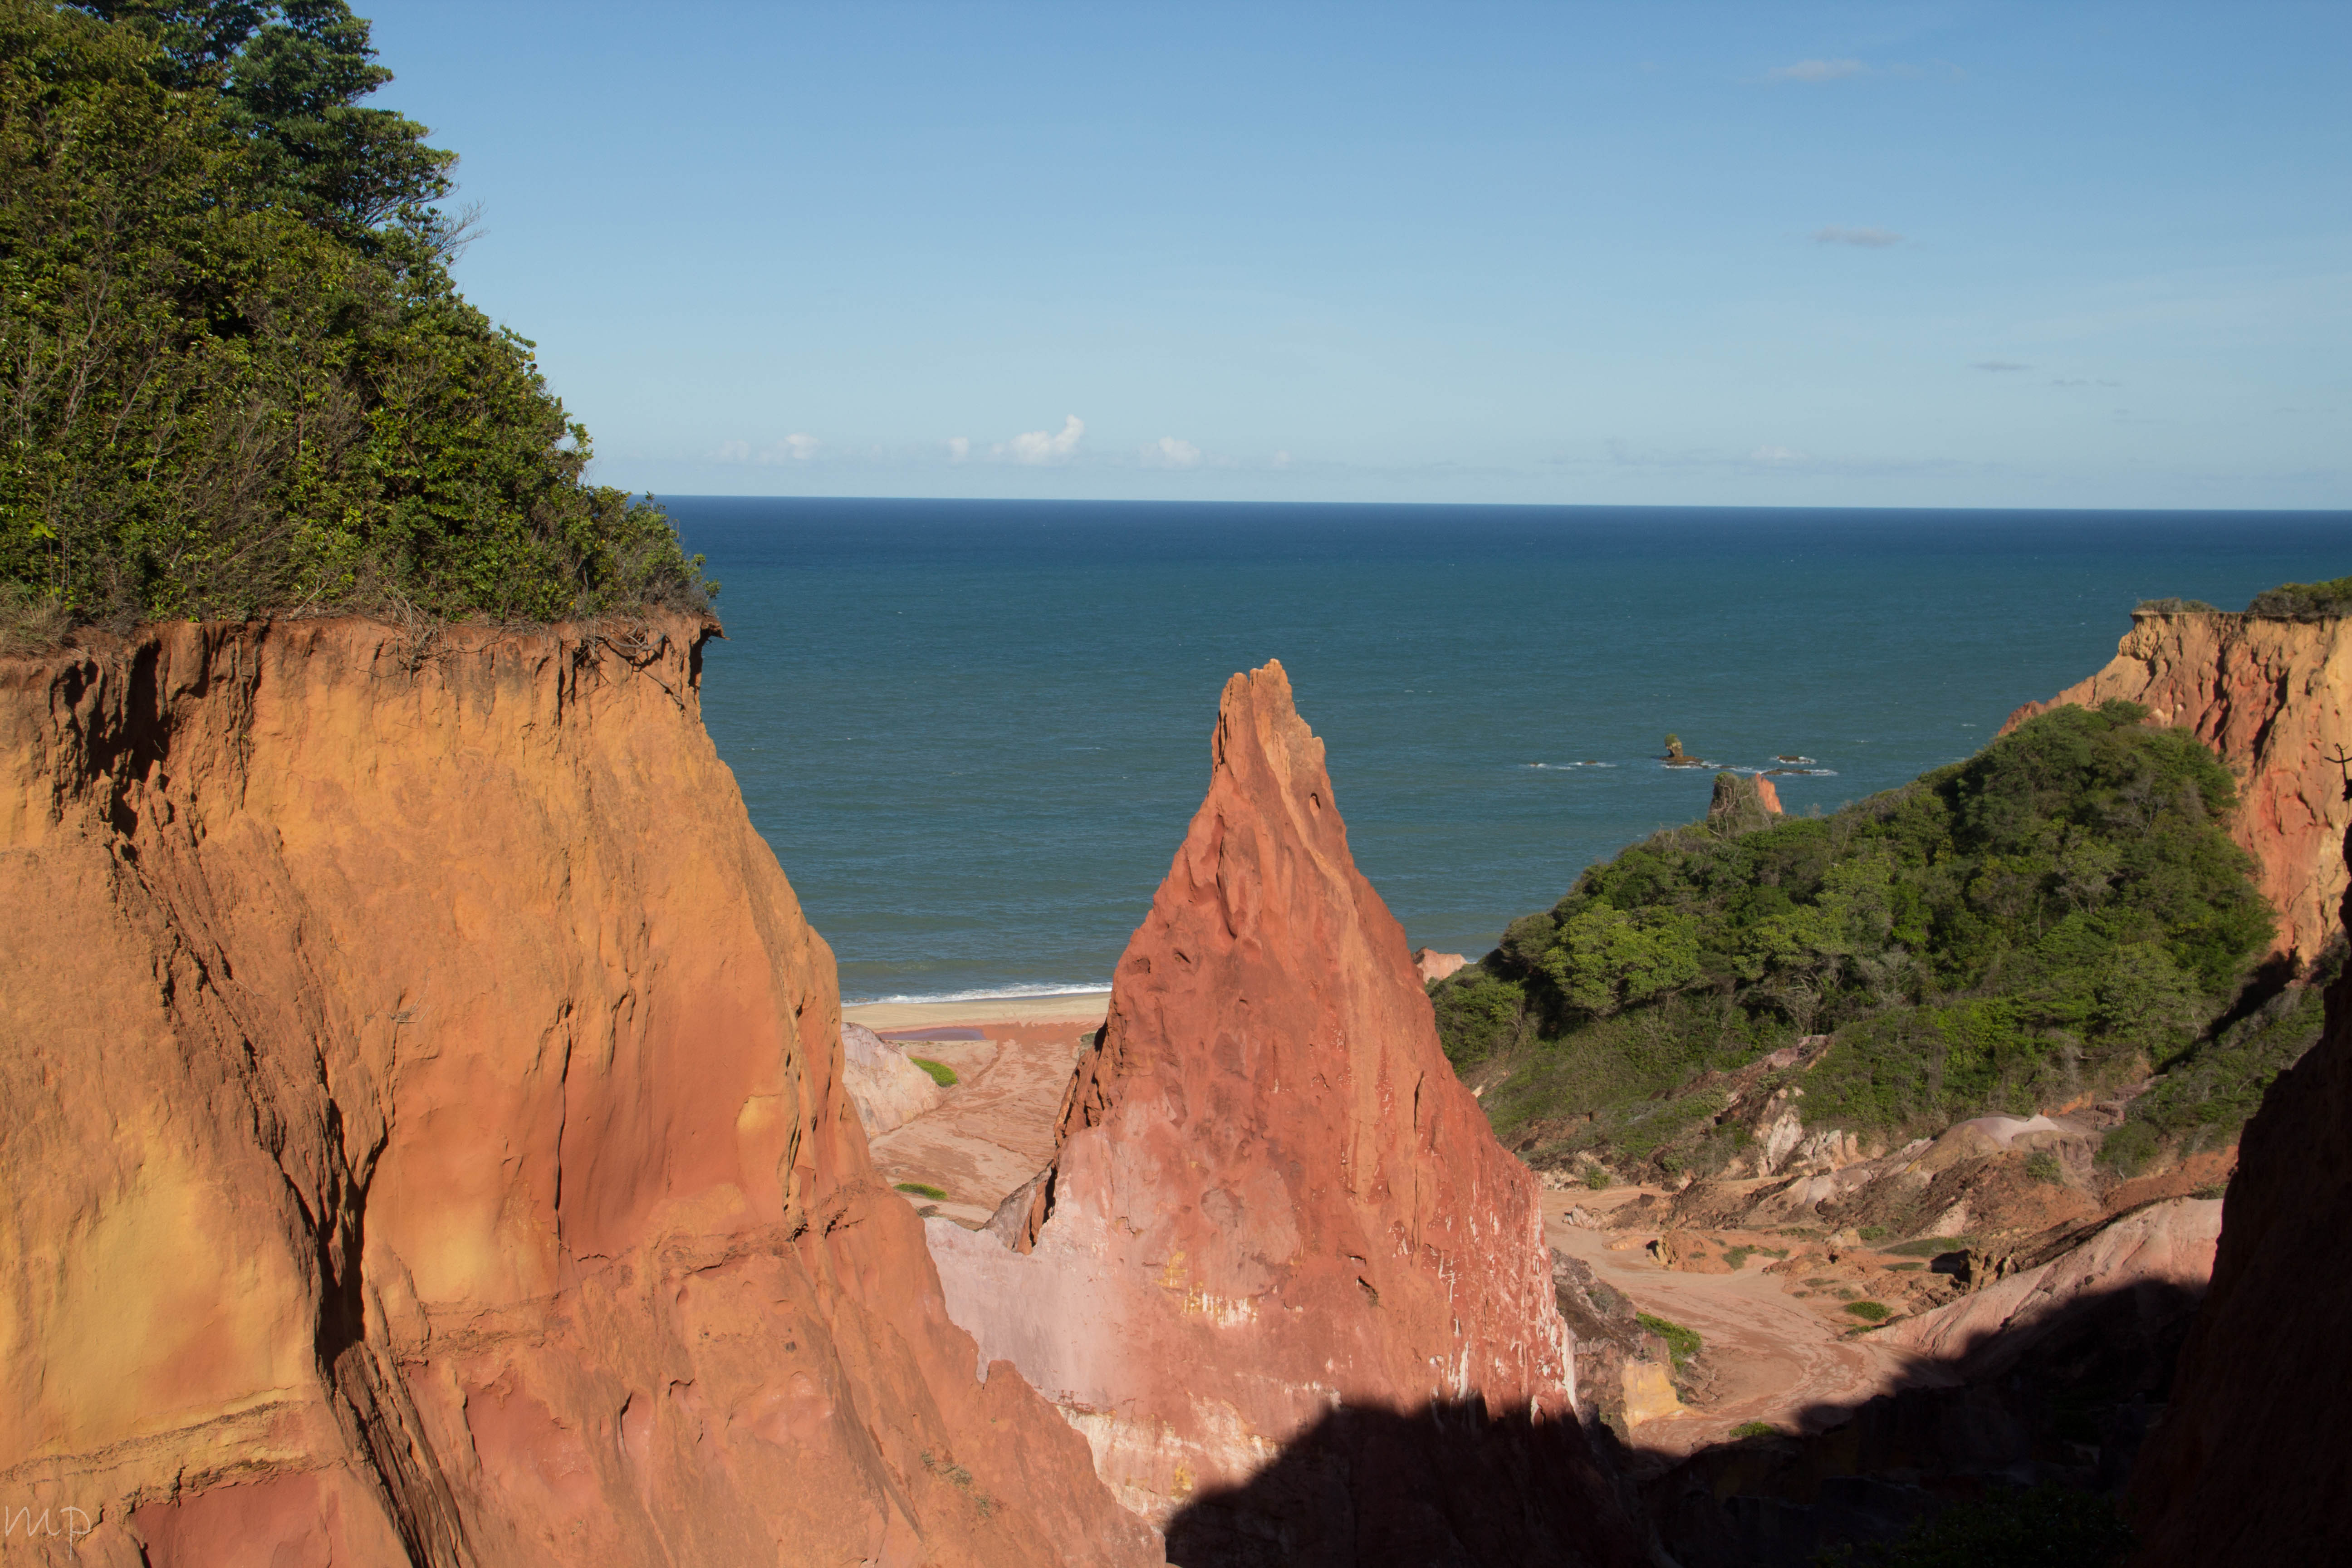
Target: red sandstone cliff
point(2274, 700)
point(424, 1140)
point(2251, 1464)
point(1280, 1272)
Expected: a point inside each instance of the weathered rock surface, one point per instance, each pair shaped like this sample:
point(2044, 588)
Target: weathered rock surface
point(996, 1128)
point(2163, 1249)
point(1280, 1273)
point(426, 1140)
point(1434, 965)
point(2251, 1464)
point(2274, 700)
point(888, 1090)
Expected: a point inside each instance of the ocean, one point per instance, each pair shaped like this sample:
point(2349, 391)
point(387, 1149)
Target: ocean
point(974, 731)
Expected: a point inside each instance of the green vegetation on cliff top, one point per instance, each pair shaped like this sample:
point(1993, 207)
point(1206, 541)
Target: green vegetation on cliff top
point(235, 377)
point(2061, 913)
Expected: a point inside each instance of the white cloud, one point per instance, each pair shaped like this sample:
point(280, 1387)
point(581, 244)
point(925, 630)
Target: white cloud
point(1817, 71)
point(1868, 238)
point(1168, 452)
point(1038, 446)
point(1775, 455)
point(797, 448)
point(1282, 459)
point(1998, 365)
point(959, 448)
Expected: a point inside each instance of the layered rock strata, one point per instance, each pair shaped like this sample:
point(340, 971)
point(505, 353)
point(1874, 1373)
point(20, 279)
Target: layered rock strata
point(2250, 1463)
point(2273, 700)
point(1280, 1272)
point(425, 1141)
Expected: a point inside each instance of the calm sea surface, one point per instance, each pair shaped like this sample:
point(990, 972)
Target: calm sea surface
point(974, 731)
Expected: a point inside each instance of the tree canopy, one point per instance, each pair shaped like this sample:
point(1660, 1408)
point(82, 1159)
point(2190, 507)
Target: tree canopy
point(2062, 910)
point(236, 376)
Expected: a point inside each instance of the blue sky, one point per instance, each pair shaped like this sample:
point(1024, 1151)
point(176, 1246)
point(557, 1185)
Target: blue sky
point(1930, 255)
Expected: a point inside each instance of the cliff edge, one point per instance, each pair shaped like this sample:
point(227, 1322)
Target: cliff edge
point(1280, 1272)
point(425, 1141)
point(2273, 699)
point(2249, 1464)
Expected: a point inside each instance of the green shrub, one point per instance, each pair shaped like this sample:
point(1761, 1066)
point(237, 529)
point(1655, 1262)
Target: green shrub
point(2128, 1149)
point(2304, 601)
point(1870, 1311)
point(923, 1190)
point(1597, 1178)
point(2043, 1166)
point(1682, 1344)
point(2172, 608)
point(239, 379)
point(942, 1073)
point(1747, 1429)
point(1478, 1015)
point(2048, 1527)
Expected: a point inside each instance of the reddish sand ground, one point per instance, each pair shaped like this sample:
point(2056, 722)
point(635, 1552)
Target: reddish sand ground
point(1774, 1358)
point(995, 1127)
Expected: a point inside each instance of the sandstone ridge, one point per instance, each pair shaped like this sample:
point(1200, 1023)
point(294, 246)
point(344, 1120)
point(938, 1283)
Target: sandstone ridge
point(426, 1138)
point(1280, 1272)
point(2273, 700)
point(2248, 1465)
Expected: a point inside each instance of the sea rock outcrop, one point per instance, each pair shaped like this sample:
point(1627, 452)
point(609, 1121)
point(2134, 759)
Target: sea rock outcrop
point(1743, 803)
point(425, 1141)
point(1279, 1272)
point(2273, 700)
point(2249, 1464)
point(888, 1090)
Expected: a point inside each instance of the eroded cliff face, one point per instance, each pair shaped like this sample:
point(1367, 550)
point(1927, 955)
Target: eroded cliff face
point(2249, 1464)
point(424, 1142)
point(1280, 1273)
point(2274, 700)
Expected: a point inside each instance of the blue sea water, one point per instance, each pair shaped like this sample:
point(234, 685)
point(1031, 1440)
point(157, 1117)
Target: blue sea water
point(974, 732)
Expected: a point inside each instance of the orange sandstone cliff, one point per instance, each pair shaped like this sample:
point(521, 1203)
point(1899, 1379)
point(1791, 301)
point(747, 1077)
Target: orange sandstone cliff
point(423, 1140)
point(2273, 700)
point(1280, 1272)
point(2250, 1465)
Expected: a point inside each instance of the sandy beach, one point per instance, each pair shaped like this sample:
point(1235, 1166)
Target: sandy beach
point(1087, 1007)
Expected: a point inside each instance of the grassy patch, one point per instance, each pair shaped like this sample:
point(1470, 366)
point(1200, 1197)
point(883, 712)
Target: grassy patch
point(2048, 1527)
point(1596, 1178)
point(1754, 1430)
point(942, 1073)
point(1926, 1247)
point(1738, 1257)
point(1682, 1344)
point(1870, 1311)
point(924, 1190)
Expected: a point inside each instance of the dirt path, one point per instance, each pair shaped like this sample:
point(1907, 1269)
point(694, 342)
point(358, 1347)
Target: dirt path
point(1775, 1358)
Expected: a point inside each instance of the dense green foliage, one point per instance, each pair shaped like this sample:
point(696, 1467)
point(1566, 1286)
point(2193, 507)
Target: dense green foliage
point(2046, 1527)
point(942, 1073)
point(235, 375)
point(2059, 912)
point(2214, 1088)
point(2325, 601)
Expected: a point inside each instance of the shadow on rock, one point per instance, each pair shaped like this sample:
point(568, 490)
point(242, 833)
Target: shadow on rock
point(1436, 1488)
point(2067, 1402)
